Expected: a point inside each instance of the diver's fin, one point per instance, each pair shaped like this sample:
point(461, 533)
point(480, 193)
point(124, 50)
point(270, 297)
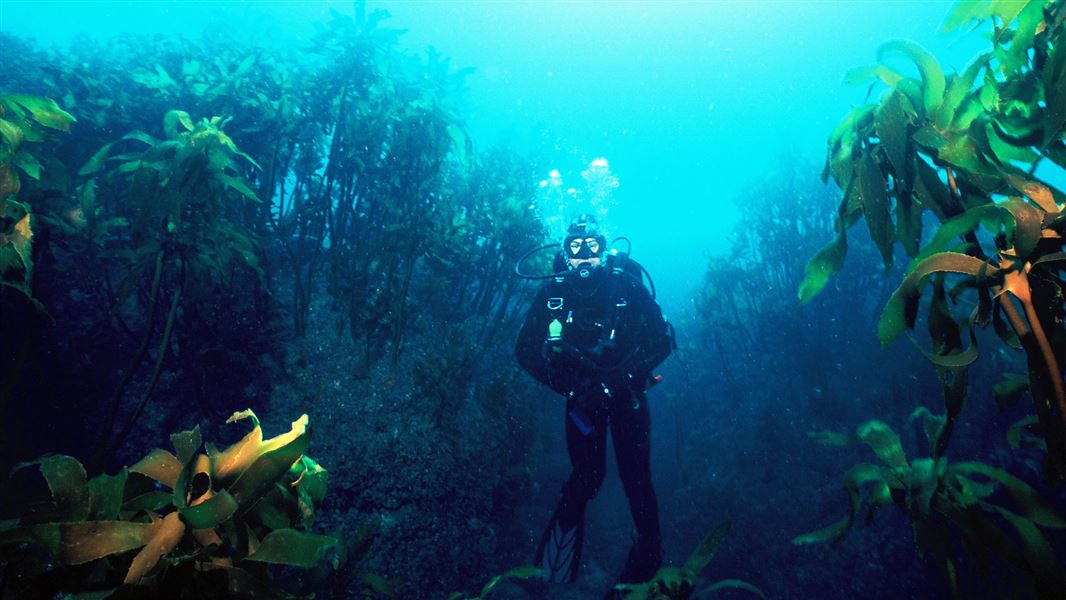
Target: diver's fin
point(559, 554)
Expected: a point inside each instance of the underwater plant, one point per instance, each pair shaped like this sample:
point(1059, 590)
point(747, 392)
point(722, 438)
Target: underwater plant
point(371, 192)
point(181, 190)
point(23, 118)
point(945, 502)
point(515, 573)
point(356, 178)
point(742, 313)
point(679, 583)
point(492, 226)
point(196, 521)
point(967, 148)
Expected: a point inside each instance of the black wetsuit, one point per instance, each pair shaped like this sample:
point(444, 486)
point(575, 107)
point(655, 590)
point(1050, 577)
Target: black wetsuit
point(613, 334)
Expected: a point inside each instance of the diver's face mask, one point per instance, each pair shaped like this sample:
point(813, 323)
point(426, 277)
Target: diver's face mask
point(583, 251)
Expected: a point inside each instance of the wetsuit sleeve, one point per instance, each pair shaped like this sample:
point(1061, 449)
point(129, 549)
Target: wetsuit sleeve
point(654, 334)
point(529, 350)
point(555, 372)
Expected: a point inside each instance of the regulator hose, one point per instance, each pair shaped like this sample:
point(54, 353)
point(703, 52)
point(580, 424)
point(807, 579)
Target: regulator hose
point(629, 247)
point(518, 265)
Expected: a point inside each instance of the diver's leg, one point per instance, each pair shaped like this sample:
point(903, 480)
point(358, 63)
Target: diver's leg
point(586, 442)
point(559, 553)
point(631, 431)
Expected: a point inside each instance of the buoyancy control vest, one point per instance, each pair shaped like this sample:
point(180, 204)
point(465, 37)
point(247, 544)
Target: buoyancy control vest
point(602, 322)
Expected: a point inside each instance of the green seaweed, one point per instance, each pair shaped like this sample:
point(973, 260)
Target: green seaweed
point(229, 511)
point(679, 583)
point(944, 500)
point(967, 147)
point(525, 572)
point(23, 118)
point(181, 188)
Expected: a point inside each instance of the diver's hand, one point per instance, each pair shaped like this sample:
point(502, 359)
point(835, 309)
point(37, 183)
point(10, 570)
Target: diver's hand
point(589, 395)
point(564, 355)
point(560, 384)
point(637, 383)
point(641, 382)
point(562, 374)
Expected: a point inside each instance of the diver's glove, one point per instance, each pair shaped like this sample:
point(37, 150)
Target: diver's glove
point(559, 352)
point(641, 382)
point(561, 381)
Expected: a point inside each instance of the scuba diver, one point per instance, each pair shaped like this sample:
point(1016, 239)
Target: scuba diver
point(593, 334)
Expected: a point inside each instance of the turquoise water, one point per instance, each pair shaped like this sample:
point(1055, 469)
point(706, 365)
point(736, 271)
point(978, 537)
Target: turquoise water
point(697, 111)
point(692, 103)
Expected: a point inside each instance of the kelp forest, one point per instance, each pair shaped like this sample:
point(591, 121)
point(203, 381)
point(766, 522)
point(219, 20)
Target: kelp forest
point(259, 308)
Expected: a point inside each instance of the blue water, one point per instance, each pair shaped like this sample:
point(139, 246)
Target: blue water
point(698, 109)
point(691, 103)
